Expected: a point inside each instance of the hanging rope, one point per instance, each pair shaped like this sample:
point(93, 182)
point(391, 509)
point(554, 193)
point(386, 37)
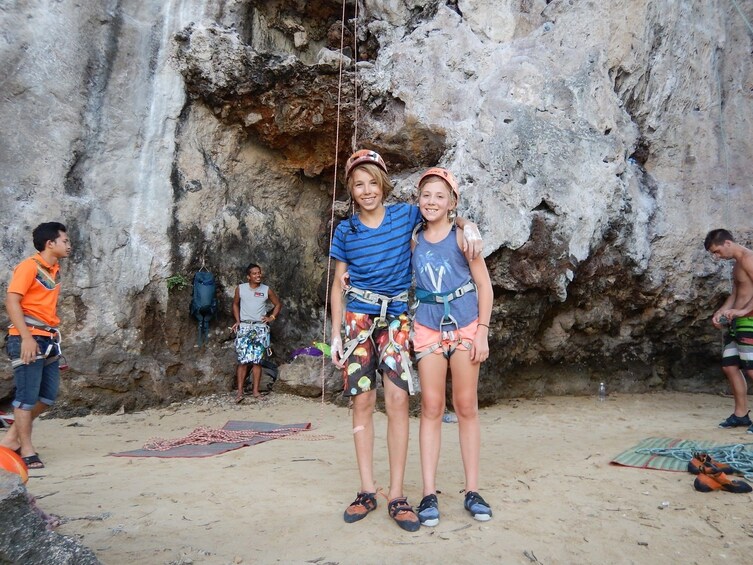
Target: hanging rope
point(205, 435)
point(737, 455)
point(334, 186)
point(354, 140)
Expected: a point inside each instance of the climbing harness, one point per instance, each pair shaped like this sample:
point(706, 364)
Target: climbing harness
point(738, 455)
point(53, 351)
point(380, 321)
point(451, 338)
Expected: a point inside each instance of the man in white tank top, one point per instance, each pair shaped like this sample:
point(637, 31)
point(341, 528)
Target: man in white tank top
point(250, 310)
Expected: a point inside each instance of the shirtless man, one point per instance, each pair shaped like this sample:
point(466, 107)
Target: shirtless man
point(737, 315)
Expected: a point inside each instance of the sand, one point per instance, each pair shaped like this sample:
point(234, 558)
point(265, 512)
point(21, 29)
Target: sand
point(545, 471)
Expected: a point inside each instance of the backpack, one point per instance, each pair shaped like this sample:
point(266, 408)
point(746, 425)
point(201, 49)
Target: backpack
point(204, 302)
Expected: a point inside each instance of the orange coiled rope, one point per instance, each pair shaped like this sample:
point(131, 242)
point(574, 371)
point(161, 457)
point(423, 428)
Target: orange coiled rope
point(205, 435)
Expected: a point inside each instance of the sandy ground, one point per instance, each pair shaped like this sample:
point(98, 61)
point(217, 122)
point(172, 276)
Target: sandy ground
point(545, 471)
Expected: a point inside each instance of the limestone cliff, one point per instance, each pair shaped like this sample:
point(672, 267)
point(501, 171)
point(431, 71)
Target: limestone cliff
point(596, 143)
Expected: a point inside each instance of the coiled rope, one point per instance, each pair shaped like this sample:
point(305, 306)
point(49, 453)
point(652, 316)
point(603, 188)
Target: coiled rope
point(738, 455)
point(205, 435)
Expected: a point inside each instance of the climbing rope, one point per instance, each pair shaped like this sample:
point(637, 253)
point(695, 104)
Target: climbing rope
point(205, 435)
point(334, 176)
point(738, 455)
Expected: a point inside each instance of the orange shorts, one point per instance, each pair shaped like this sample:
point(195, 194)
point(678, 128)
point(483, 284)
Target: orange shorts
point(424, 337)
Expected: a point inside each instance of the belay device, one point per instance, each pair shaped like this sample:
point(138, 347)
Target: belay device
point(204, 302)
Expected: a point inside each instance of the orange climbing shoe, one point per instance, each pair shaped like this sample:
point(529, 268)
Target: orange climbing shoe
point(706, 482)
point(701, 460)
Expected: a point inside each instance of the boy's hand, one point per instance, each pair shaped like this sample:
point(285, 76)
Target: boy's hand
point(473, 245)
point(29, 350)
point(345, 280)
point(336, 349)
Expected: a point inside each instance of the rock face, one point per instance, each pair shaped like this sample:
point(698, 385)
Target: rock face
point(24, 537)
point(596, 143)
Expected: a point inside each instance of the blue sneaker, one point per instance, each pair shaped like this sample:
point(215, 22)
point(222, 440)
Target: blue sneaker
point(736, 421)
point(428, 510)
point(477, 506)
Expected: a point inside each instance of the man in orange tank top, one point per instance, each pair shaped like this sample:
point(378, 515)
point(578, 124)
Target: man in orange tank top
point(33, 338)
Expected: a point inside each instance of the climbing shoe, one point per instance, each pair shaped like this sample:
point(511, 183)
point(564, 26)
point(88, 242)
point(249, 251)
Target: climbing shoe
point(704, 463)
point(706, 482)
point(477, 506)
point(428, 510)
point(736, 421)
point(364, 503)
point(403, 514)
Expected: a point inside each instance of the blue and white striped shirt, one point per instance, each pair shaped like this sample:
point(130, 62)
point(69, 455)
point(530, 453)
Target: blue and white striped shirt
point(378, 259)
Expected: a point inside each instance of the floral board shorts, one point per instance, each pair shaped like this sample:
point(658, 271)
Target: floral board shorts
point(251, 342)
point(359, 375)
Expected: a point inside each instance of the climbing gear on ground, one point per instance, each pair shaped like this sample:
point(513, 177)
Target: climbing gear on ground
point(403, 514)
point(477, 506)
point(428, 510)
point(703, 460)
point(364, 503)
point(445, 175)
point(736, 421)
point(739, 456)
point(710, 479)
point(204, 302)
point(361, 157)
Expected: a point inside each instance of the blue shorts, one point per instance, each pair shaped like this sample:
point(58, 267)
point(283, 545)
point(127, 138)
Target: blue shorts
point(39, 381)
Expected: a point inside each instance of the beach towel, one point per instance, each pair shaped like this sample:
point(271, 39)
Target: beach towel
point(207, 450)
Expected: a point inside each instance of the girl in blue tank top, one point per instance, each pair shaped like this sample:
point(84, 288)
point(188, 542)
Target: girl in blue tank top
point(450, 330)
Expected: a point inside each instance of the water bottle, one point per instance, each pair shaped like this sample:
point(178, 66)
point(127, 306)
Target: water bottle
point(602, 392)
point(449, 417)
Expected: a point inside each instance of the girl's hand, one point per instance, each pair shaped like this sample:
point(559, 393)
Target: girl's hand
point(480, 349)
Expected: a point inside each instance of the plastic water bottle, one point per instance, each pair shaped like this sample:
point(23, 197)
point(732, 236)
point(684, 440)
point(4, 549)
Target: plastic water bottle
point(449, 417)
point(602, 392)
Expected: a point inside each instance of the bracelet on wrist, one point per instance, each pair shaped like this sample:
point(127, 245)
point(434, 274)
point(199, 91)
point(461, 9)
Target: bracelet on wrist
point(485, 325)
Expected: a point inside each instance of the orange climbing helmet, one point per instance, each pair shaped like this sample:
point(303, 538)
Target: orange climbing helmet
point(446, 176)
point(361, 157)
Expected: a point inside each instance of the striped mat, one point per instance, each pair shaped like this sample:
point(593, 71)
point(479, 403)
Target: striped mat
point(634, 458)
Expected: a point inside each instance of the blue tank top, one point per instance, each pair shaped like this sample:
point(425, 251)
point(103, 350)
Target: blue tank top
point(442, 267)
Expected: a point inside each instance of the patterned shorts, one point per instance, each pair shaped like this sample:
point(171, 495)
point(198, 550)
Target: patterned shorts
point(251, 342)
point(359, 375)
point(738, 344)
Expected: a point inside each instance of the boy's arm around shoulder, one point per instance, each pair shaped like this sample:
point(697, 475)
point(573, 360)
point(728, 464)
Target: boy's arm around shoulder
point(473, 245)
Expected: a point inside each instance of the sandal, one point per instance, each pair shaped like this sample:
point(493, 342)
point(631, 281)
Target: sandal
point(33, 462)
point(364, 503)
point(403, 514)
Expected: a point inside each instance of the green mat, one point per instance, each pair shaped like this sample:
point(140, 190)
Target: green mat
point(632, 457)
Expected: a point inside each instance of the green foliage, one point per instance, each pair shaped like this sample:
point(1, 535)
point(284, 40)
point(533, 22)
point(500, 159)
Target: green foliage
point(176, 282)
